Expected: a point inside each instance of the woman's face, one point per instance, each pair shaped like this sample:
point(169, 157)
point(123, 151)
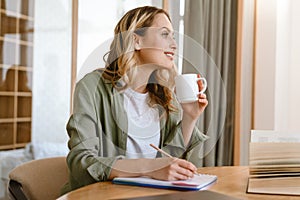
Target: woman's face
point(157, 46)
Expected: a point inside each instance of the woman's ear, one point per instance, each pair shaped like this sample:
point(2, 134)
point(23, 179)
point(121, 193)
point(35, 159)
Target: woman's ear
point(137, 42)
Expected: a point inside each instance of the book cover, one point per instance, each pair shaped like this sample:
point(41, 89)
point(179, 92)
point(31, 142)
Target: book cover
point(277, 185)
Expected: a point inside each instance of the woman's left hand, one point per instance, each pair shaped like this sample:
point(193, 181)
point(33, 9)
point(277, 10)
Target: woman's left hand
point(195, 109)
point(191, 113)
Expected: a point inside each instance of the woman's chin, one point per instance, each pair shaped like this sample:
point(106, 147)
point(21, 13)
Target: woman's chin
point(166, 65)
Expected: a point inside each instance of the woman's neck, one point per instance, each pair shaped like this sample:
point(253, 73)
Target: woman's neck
point(141, 80)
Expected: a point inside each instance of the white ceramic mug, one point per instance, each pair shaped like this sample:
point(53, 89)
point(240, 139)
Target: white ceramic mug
point(187, 89)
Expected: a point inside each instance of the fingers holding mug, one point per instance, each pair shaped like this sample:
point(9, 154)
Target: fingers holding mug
point(202, 84)
point(189, 87)
point(199, 82)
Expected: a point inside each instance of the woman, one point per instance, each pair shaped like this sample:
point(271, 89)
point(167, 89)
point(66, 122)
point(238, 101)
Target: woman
point(120, 110)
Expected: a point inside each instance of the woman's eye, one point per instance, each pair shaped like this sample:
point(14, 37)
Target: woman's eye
point(165, 34)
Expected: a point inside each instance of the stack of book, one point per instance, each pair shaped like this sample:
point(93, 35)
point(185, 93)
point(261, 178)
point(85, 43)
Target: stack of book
point(274, 159)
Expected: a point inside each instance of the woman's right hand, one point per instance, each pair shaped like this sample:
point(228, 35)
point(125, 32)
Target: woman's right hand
point(171, 169)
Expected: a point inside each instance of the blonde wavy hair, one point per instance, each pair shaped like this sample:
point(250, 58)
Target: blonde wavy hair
point(121, 60)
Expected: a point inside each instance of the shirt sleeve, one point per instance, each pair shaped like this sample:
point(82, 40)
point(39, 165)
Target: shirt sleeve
point(86, 160)
point(173, 142)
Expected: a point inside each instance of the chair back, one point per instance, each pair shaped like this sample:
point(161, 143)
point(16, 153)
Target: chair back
point(39, 179)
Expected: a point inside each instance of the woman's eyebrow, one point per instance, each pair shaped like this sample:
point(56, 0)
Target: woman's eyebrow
point(164, 27)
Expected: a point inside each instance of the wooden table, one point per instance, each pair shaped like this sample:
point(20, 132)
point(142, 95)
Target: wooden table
point(232, 180)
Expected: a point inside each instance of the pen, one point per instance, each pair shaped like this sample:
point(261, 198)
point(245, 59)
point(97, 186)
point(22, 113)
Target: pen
point(165, 153)
point(161, 151)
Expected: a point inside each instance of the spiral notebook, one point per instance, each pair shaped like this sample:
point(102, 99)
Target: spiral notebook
point(196, 183)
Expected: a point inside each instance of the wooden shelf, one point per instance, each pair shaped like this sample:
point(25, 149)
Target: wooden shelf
point(16, 15)
point(12, 40)
point(20, 145)
point(13, 120)
point(15, 146)
point(24, 94)
point(6, 147)
point(20, 67)
point(16, 68)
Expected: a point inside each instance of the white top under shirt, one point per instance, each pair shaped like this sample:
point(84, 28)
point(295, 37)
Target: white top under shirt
point(143, 125)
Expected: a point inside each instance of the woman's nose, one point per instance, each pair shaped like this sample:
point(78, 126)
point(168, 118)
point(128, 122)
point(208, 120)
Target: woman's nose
point(173, 44)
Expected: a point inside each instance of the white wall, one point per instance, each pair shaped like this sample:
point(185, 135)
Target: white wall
point(277, 68)
point(265, 64)
point(51, 70)
point(276, 74)
point(246, 78)
point(282, 60)
point(294, 68)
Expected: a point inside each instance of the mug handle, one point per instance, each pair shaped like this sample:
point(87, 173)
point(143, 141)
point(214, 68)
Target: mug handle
point(204, 84)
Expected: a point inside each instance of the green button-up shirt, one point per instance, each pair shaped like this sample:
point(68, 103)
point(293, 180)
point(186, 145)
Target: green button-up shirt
point(98, 132)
